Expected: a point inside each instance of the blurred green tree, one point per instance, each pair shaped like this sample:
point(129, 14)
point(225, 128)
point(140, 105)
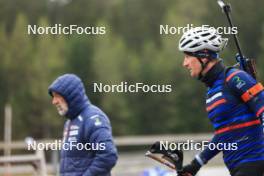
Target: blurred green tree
point(111, 65)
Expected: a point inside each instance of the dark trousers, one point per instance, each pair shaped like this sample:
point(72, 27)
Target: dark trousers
point(249, 169)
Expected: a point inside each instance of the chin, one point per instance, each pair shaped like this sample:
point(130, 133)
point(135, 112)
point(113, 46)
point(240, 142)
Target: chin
point(193, 75)
point(62, 112)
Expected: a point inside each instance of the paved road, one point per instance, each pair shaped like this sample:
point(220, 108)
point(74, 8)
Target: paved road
point(134, 163)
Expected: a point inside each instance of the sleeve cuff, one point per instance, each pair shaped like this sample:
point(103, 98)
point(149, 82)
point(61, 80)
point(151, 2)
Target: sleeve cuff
point(199, 159)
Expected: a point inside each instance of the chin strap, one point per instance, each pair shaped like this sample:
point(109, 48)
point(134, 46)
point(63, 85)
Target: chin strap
point(203, 64)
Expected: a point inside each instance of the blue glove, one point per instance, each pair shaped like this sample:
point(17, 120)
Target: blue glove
point(241, 60)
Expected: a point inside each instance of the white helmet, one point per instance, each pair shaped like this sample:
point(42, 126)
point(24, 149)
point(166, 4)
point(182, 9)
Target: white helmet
point(200, 38)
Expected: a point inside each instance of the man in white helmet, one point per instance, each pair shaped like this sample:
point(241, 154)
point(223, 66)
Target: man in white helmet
point(234, 103)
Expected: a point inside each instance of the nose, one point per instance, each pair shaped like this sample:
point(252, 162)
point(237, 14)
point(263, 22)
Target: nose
point(54, 101)
point(185, 63)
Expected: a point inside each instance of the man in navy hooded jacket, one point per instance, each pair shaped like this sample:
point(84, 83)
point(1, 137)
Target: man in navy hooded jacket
point(88, 148)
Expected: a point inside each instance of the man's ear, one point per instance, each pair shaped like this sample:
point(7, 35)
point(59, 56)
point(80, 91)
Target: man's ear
point(205, 60)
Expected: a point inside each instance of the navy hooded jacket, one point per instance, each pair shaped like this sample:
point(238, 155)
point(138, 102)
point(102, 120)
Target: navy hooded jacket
point(88, 148)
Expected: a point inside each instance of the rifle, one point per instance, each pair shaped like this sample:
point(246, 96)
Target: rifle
point(246, 64)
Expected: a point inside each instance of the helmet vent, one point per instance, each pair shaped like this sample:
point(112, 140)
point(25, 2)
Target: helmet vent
point(194, 46)
point(213, 37)
point(186, 43)
point(204, 35)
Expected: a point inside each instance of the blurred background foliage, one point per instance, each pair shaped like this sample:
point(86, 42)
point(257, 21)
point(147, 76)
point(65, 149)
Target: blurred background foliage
point(132, 50)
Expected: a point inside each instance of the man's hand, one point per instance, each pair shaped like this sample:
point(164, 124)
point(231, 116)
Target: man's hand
point(190, 169)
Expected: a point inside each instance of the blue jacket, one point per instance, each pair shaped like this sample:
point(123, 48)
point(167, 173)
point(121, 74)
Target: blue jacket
point(235, 106)
point(88, 148)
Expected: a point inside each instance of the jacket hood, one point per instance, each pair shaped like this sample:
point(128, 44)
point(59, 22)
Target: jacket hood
point(71, 88)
